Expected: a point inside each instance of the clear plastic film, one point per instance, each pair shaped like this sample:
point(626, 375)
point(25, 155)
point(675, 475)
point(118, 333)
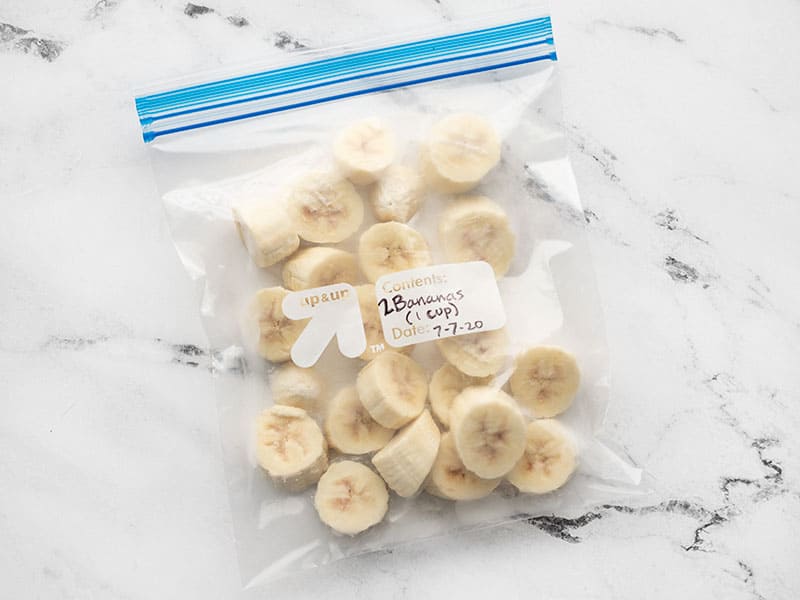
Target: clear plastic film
point(237, 154)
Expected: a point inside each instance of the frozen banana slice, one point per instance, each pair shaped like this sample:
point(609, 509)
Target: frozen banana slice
point(476, 354)
point(350, 428)
point(397, 195)
point(388, 247)
point(325, 208)
point(376, 343)
point(475, 228)
point(545, 380)
point(318, 266)
point(461, 149)
point(364, 150)
point(351, 497)
point(447, 383)
point(267, 233)
point(277, 331)
point(294, 386)
point(392, 387)
point(406, 460)
point(450, 479)
point(290, 447)
point(488, 430)
point(548, 461)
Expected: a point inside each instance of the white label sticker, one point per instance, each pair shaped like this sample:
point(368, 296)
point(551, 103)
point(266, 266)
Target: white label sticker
point(334, 311)
point(420, 305)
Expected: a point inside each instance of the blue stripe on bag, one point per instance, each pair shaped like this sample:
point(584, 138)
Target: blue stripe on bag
point(407, 64)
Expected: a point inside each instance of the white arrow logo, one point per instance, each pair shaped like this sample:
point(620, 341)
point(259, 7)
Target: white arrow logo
point(334, 311)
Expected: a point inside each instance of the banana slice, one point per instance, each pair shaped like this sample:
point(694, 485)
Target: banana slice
point(349, 427)
point(476, 354)
point(451, 480)
point(376, 343)
point(318, 266)
point(277, 331)
point(392, 387)
point(447, 383)
point(325, 208)
point(397, 195)
point(489, 431)
point(548, 461)
point(294, 386)
point(389, 247)
point(290, 447)
point(475, 228)
point(405, 462)
point(461, 149)
point(545, 380)
point(364, 150)
point(268, 234)
point(351, 497)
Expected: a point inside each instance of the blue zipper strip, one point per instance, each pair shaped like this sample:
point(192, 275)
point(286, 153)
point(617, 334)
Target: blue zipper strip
point(258, 94)
point(342, 64)
point(239, 89)
point(148, 120)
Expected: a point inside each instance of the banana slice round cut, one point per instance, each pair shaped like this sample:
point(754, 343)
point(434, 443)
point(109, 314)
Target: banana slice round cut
point(461, 149)
point(290, 447)
point(397, 195)
point(351, 497)
point(447, 383)
point(268, 234)
point(364, 150)
point(277, 331)
point(548, 461)
point(388, 247)
point(349, 427)
point(293, 386)
point(475, 228)
point(318, 266)
point(406, 460)
point(325, 208)
point(370, 317)
point(545, 380)
point(489, 431)
point(476, 354)
point(450, 479)
point(393, 388)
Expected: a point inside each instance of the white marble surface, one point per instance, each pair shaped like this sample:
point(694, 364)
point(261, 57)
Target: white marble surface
point(684, 119)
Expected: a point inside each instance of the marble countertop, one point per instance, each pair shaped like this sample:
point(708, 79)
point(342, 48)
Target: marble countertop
point(683, 121)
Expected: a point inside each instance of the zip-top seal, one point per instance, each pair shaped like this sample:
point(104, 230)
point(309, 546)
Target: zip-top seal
point(344, 76)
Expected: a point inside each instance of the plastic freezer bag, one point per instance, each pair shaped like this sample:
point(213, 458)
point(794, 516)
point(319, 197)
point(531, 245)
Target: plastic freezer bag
point(399, 302)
